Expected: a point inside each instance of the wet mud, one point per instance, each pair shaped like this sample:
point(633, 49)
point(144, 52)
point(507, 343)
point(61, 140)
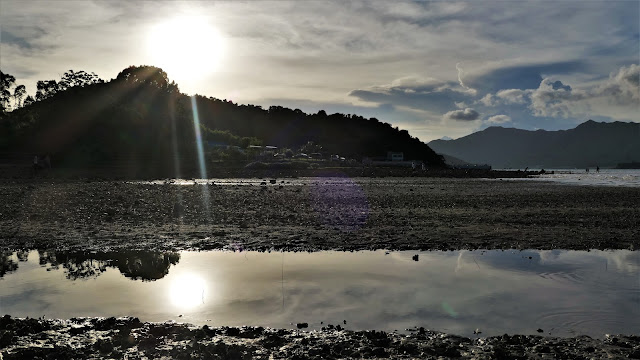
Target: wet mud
point(317, 214)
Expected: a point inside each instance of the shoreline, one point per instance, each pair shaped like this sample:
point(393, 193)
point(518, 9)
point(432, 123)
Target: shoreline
point(277, 170)
point(119, 337)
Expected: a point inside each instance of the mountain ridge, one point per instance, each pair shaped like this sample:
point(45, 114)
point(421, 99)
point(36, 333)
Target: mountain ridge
point(589, 144)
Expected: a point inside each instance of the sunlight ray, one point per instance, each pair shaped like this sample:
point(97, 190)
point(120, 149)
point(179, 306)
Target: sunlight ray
point(200, 150)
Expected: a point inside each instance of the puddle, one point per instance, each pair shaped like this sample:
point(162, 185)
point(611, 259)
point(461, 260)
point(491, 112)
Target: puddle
point(565, 293)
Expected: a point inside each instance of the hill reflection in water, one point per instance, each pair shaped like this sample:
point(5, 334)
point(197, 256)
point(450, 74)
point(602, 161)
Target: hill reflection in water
point(137, 265)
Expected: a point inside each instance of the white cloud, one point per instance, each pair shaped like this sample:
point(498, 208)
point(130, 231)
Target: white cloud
point(461, 105)
point(513, 96)
point(471, 91)
point(499, 119)
point(420, 93)
point(488, 100)
point(467, 114)
point(617, 97)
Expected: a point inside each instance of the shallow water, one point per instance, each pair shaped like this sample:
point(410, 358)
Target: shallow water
point(605, 177)
point(338, 179)
point(562, 292)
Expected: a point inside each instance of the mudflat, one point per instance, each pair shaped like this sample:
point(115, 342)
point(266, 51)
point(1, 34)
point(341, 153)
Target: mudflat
point(305, 214)
point(317, 213)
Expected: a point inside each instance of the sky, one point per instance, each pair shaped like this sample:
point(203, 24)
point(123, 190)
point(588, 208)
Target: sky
point(438, 69)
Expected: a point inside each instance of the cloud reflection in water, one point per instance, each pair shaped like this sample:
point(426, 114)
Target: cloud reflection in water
point(562, 292)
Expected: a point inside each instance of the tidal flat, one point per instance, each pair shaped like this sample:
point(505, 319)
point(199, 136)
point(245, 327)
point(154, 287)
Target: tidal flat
point(307, 214)
point(313, 214)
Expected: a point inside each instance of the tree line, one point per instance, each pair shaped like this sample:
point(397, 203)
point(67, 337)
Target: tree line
point(141, 114)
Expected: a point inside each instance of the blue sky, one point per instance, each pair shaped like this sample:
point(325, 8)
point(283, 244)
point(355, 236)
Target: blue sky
point(434, 68)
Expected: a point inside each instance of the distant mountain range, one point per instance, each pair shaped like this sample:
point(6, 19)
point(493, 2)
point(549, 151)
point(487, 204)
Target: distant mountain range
point(590, 144)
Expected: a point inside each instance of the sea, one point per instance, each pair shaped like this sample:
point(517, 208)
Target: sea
point(604, 177)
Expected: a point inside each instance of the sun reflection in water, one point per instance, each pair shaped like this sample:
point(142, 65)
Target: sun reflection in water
point(187, 291)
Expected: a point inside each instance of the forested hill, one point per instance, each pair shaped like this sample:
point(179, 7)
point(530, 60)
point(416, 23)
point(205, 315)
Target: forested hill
point(590, 144)
point(141, 114)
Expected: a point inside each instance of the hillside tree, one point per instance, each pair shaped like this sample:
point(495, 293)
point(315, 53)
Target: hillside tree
point(18, 94)
point(6, 82)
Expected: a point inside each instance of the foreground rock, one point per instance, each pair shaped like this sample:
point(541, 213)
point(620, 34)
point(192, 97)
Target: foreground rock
point(102, 338)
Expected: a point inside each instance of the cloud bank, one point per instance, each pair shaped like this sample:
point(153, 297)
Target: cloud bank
point(430, 67)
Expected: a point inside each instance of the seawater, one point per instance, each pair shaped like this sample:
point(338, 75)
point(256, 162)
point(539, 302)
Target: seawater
point(605, 177)
point(562, 293)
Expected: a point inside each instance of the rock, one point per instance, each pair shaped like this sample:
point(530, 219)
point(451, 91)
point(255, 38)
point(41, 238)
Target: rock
point(635, 354)
point(302, 325)
point(415, 257)
point(233, 331)
point(6, 338)
point(379, 352)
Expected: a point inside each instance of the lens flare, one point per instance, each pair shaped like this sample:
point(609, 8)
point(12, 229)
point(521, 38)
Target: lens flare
point(200, 150)
point(196, 128)
point(339, 202)
point(449, 310)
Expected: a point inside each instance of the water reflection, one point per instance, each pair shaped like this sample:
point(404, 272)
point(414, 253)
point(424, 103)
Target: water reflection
point(562, 292)
point(137, 265)
point(8, 262)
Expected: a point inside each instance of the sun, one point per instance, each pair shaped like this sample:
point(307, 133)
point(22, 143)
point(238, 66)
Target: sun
point(187, 291)
point(186, 47)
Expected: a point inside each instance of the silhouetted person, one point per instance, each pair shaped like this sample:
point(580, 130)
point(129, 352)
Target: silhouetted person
point(36, 165)
point(587, 170)
point(597, 169)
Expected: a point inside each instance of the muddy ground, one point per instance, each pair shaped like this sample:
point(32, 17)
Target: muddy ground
point(305, 214)
point(84, 338)
point(309, 214)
